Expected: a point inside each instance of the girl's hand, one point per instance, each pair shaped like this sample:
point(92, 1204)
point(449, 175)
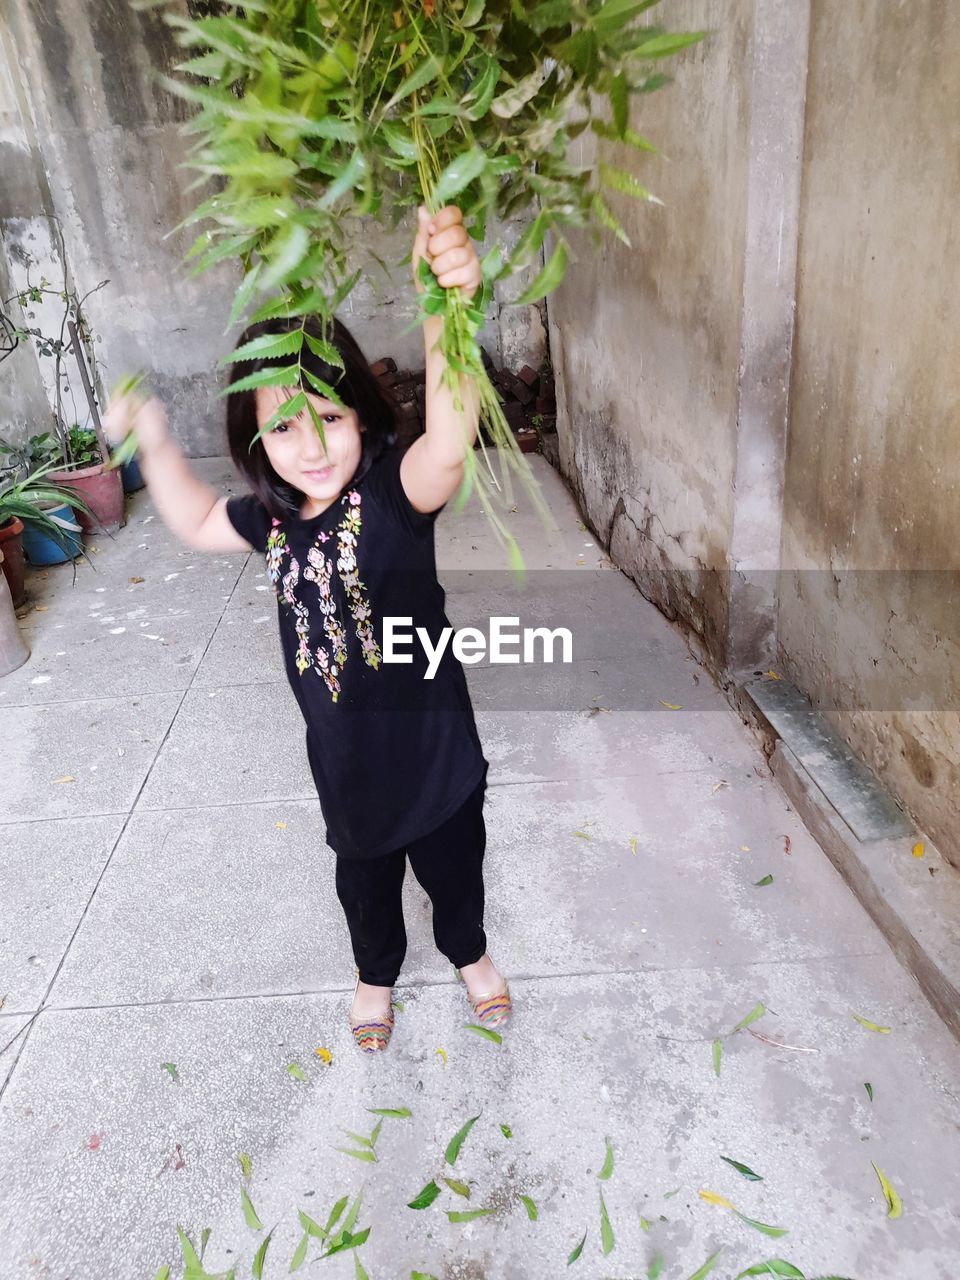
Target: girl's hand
point(443, 241)
point(146, 418)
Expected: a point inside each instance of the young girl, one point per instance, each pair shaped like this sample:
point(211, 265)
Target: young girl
point(348, 535)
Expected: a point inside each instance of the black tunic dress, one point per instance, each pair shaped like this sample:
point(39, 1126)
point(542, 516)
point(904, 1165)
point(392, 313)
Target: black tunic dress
point(393, 754)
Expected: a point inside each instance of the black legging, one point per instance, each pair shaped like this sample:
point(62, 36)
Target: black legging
point(448, 863)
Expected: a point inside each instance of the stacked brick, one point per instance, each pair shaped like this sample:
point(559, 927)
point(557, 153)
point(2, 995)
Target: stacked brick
point(527, 398)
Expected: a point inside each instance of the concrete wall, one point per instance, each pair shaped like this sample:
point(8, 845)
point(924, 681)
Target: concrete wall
point(645, 341)
point(89, 138)
point(769, 384)
point(872, 507)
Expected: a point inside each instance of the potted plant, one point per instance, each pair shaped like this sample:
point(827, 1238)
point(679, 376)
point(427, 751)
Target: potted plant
point(83, 450)
point(13, 652)
point(47, 515)
point(22, 459)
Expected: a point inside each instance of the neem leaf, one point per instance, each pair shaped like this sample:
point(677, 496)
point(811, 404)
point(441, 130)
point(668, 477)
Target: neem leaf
point(707, 1267)
point(249, 1212)
point(162, 1274)
point(773, 1267)
point(460, 1188)
point(190, 1259)
point(607, 1169)
point(260, 1255)
point(607, 1240)
point(344, 1240)
point(425, 1198)
point(742, 1168)
point(756, 1012)
point(369, 1156)
point(395, 1113)
point(358, 1271)
point(577, 1249)
point(287, 375)
point(456, 1142)
point(717, 1052)
point(765, 880)
point(246, 1167)
point(487, 1034)
point(530, 1207)
point(655, 1267)
point(547, 279)
point(358, 1138)
point(335, 1213)
point(506, 1131)
point(375, 1133)
point(301, 1252)
point(458, 174)
point(894, 1203)
point(775, 1232)
point(645, 1223)
point(869, 1088)
point(466, 1215)
point(169, 1067)
point(267, 347)
point(871, 1026)
point(421, 1275)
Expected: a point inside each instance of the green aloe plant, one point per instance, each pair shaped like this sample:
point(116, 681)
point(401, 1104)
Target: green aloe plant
point(315, 116)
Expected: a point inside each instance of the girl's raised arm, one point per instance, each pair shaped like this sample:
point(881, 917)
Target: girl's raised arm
point(186, 505)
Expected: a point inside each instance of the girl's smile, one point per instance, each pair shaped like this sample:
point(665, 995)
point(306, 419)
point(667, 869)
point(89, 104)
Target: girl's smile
point(297, 455)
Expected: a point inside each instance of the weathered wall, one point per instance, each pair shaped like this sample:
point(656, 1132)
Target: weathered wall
point(872, 504)
point(104, 136)
point(645, 341)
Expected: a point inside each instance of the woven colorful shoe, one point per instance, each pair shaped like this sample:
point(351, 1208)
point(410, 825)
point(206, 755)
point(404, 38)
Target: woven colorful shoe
point(491, 1009)
point(372, 1036)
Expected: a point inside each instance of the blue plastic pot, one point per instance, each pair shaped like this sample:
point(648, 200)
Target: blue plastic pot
point(41, 548)
point(131, 476)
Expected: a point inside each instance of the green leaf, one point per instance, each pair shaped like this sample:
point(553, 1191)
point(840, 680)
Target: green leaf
point(458, 174)
point(349, 176)
point(457, 1141)
point(190, 1259)
point(707, 1266)
point(421, 1275)
point(336, 1212)
point(577, 1249)
point(287, 250)
point(869, 1088)
point(607, 1240)
point(300, 1253)
point(369, 1157)
point(375, 1133)
point(756, 1012)
point(871, 1026)
point(287, 376)
point(480, 94)
point(289, 409)
point(394, 1113)
point(246, 1166)
point(345, 1240)
point(742, 1168)
point(485, 1032)
point(774, 1232)
point(162, 1274)
point(547, 279)
point(466, 1215)
point(358, 1271)
point(243, 295)
point(170, 1068)
point(645, 1223)
point(506, 1131)
point(530, 1207)
point(260, 1255)
point(894, 1203)
point(607, 1169)
point(772, 1267)
point(620, 180)
point(324, 351)
point(249, 1212)
point(422, 75)
point(460, 1188)
point(425, 1198)
point(267, 347)
point(662, 46)
point(618, 102)
point(510, 103)
point(763, 881)
point(717, 1053)
point(655, 1267)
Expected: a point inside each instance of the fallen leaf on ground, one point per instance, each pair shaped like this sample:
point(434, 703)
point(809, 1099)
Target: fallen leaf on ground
point(393, 1113)
point(441, 1055)
point(756, 1012)
point(764, 881)
point(742, 1169)
point(506, 1131)
point(894, 1203)
point(466, 1215)
point(918, 849)
point(457, 1141)
point(671, 706)
point(717, 1050)
point(423, 1199)
point(577, 1249)
point(260, 1255)
point(281, 826)
point(250, 1215)
point(294, 1070)
point(459, 1188)
point(325, 1056)
point(135, 579)
point(487, 1034)
point(706, 1268)
point(633, 845)
point(607, 1240)
point(869, 1088)
point(655, 1267)
point(246, 1165)
point(530, 1207)
point(772, 1267)
point(170, 1068)
point(68, 777)
point(870, 1026)
point(786, 844)
point(717, 785)
point(607, 1168)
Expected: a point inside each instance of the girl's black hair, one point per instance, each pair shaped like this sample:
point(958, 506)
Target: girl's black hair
point(356, 385)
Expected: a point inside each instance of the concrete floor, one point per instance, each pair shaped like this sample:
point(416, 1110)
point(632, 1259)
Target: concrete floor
point(168, 899)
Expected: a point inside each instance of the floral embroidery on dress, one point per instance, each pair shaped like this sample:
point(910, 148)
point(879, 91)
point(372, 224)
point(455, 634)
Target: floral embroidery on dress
point(327, 661)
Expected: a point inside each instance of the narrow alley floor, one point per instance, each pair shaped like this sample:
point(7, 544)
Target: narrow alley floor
point(169, 916)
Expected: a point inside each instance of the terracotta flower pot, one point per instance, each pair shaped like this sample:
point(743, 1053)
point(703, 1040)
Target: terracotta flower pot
point(13, 651)
point(101, 490)
point(11, 544)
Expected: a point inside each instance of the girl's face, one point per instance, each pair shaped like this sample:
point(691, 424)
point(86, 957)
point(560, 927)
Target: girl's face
point(295, 451)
